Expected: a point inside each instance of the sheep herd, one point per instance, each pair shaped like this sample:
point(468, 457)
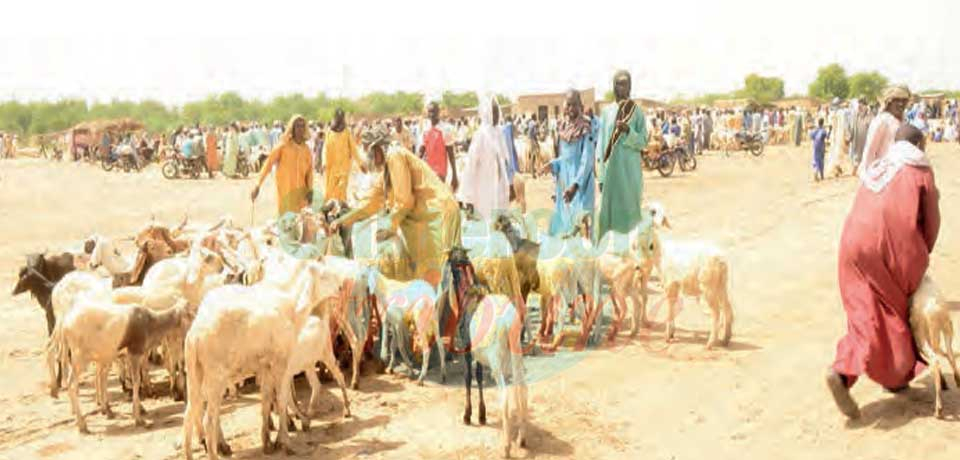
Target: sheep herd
point(216, 305)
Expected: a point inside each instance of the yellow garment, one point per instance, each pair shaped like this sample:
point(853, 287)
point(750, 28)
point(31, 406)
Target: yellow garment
point(339, 155)
point(421, 207)
point(294, 175)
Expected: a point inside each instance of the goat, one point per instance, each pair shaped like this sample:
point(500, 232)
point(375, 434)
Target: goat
point(97, 330)
point(39, 275)
point(933, 333)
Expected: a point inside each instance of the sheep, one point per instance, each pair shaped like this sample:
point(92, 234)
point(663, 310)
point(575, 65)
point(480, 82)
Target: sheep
point(697, 269)
point(930, 323)
point(62, 298)
point(355, 312)
point(410, 306)
point(97, 330)
point(179, 278)
point(494, 326)
point(248, 329)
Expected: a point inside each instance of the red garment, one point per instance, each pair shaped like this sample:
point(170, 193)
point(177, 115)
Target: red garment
point(884, 252)
point(213, 161)
point(436, 152)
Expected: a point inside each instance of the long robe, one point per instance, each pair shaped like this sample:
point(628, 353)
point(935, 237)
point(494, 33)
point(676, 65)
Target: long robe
point(231, 151)
point(880, 136)
point(421, 207)
point(574, 166)
point(339, 155)
point(884, 252)
point(485, 181)
point(213, 162)
point(294, 175)
point(621, 175)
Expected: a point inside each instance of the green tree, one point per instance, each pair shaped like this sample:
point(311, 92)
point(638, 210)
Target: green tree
point(762, 89)
point(459, 100)
point(831, 82)
point(867, 85)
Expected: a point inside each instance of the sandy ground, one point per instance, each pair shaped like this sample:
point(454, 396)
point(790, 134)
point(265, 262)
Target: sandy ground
point(762, 398)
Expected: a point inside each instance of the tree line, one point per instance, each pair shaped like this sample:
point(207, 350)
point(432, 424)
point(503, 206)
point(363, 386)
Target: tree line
point(40, 117)
point(832, 82)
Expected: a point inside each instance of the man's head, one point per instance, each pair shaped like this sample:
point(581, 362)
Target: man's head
point(573, 107)
point(911, 134)
point(895, 100)
point(339, 121)
point(621, 85)
point(433, 113)
point(398, 123)
point(820, 123)
point(375, 141)
point(297, 129)
point(496, 113)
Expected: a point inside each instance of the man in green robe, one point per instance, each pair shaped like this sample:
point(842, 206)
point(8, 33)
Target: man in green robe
point(623, 133)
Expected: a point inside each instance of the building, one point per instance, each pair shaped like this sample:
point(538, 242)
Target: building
point(549, 105)
point(644, 103)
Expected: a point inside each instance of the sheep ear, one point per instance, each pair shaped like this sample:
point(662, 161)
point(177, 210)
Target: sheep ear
point(666, 223)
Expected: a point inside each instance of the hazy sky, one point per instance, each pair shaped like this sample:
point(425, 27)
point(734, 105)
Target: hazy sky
point(177, 50)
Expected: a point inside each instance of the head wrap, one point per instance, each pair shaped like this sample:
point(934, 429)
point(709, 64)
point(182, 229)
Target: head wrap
point(894, 92)
point(288, 133)
point(374, 136)
point(574, 129)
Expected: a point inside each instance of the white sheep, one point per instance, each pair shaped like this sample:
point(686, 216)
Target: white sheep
point(96, 330)
point(242, 330)
point(410, 307)
point(933, 333)
point(696, 269)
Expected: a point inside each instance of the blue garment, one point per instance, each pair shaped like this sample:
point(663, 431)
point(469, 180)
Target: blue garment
point(819, 137)
point(274, 137)
point(532, 130)
point(187, 149)
point(512, 148)
point(675, 129)
point(574, 165)
point(665, 129)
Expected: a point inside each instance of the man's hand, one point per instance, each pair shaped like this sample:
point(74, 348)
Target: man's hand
point(623, 126)
point(546, 169)
point(454, 183)
point(255, 193)
point(309, 196)
point(335, 227)
point(570, 192)
point(384, 234)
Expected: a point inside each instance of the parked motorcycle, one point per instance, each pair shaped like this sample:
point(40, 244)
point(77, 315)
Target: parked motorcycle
point(751, 142)
point(662, 160)
point(122, 157)
point(687, 160)
point(178, 166)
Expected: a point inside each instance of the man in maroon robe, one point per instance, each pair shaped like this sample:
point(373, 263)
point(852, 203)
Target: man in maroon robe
point(884, 252)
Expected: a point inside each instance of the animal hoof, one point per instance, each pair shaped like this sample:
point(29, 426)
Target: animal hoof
point(83, 429)
point(522, 443)
point(224, 449)
point(419, 383)
point(305, 426)
point(110, 415)
point(269, 448)
point(354, 386)
point(140, 422)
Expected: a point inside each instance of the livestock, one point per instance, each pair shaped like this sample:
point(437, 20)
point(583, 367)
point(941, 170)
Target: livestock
point(242, 330)
point(410, 306)
point(96, 330)
point(495, 327)
point(933, 333)
point(38, 276)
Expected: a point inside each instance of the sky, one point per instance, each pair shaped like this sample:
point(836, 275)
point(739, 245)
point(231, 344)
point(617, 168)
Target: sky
point(177, 51)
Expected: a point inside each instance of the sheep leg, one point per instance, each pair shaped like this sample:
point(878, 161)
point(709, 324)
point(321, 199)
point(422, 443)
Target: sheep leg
point(403, 353)
point(314, 382)
point(51, 319)
point(192, 415)
point(266, 403)
point(390, 345)
point(136, 364)
point(727, 314)
point(212, 427)
point(948, 343)
point(937, 388)
point(283, 436)
point(546, 304)
point(329, 360)
point(715, 324)
point(520, 398)
point(639, 313)
point(74, 397)
point(467, 378)
point(440, 350)
point(102, 372)
point(504, 407)
point(425, 343)
point(483, 406)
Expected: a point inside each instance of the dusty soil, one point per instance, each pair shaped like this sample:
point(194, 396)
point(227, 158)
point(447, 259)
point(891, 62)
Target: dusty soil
point(762, 398)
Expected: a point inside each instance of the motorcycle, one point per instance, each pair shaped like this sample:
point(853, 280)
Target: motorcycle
point(122, 157)
point(751, 142)
point(687, 160)
point(178, 166)
point(663, 160)
point(243, 165)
